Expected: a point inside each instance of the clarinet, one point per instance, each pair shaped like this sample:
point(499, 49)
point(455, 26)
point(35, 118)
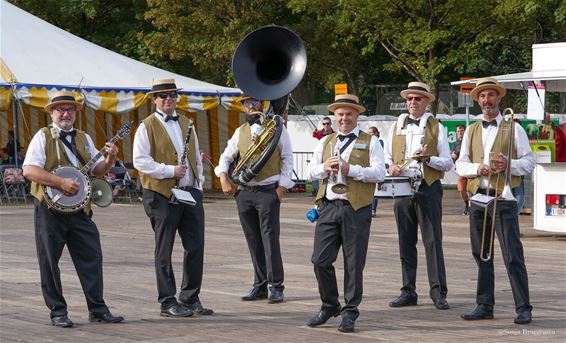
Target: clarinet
point(173, 200)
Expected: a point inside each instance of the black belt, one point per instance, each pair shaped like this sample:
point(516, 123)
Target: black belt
point(337, 202)
point(186, 188)
point(258, 188)
point(484, 191)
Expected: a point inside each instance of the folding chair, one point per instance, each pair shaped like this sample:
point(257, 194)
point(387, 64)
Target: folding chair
point(14, 184)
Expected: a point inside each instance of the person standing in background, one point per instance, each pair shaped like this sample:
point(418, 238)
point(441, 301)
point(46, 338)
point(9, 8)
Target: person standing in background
point(375, 132)
point(462, 181)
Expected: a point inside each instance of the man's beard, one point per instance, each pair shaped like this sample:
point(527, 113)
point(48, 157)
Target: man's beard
point(490, 112)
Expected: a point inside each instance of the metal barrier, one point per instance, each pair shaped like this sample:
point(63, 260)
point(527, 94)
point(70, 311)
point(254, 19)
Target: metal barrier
point(300, 162)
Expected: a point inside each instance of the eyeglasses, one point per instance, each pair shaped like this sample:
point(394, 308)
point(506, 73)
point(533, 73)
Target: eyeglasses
point(172, 95)
point(251, 102)
point(62, 110)
point(325, 123)
point(416, 98)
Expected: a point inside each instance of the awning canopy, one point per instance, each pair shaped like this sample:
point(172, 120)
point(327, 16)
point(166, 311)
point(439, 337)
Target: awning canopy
point(37, 58)
point(555, 80)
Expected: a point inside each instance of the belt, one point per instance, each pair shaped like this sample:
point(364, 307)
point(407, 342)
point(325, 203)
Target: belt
point(258, 188)
point(337, 202)
point(484, 191)
point(186, 188)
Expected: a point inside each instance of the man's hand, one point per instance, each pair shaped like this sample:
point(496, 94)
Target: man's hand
point(331, 165)
point(483, 170)
point(111, 150)
point(394, 170)
point(499, 163)
point(180, 171)
point(227, 186)
point(68, 187)
point(280, 190)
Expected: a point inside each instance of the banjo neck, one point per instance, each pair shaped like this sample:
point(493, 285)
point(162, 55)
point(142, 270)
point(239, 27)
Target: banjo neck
point(86, 167)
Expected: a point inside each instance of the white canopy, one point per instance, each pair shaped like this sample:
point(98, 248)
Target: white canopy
point(35, 55)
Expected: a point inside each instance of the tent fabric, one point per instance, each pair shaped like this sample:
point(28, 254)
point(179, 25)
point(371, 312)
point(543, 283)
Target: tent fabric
point(43, 58)
point(555, 79)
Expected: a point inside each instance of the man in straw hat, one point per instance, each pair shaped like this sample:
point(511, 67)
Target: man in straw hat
point(60, 144)
point(483, 153)
point(259, 202)
point(159, 144)
point(344, 218)
point(418, 133)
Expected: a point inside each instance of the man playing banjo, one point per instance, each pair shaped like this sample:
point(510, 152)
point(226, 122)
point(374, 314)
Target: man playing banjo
point(54, 229)
point(419, 134)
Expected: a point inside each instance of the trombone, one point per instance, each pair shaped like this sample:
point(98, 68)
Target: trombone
point(506, 194)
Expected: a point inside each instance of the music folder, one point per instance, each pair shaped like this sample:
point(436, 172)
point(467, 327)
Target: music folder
point(183, 197)
point(482, 200)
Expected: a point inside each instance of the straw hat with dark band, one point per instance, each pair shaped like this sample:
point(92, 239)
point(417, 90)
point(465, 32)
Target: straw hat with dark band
point(487, 83)
point(63, 97)
point(418, 88)
point(163, 86)
point(346, 100)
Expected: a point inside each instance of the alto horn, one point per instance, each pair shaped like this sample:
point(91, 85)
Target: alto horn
point(506, 193)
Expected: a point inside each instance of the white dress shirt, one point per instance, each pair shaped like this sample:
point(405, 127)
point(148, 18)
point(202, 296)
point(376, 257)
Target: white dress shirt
point(523, 165)
point(35, 155)
point(145, 164)
point(414, 135)
point(286, 153)
point(372, 174)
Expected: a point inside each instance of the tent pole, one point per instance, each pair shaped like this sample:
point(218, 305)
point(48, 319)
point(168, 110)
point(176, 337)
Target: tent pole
point(15, 123)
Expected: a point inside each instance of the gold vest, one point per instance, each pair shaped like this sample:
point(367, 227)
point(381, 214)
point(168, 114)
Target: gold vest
point(430, 139)
point(360, 194)
point(163, 151)
point(273, 165)
point(500, 145)
point(51, 161)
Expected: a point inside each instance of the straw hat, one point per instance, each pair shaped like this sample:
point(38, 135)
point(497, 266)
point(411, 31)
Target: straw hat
point(162, 86)
point(346, 100)
point(418, 88)
point(487, 83)
point(63, 97)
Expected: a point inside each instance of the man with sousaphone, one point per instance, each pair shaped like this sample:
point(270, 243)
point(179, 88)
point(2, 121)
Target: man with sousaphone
point(166, 154)
point(417, 149)
point(495, 152)
point(259, 199)
point(59, 146)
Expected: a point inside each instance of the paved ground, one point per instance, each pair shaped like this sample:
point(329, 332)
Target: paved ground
point(130, 284)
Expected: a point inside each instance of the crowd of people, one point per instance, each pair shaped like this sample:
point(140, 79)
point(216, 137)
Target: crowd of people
point(167, 156)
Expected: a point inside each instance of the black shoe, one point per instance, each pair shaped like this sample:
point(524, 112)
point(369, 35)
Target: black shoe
point(523, 317)
point(322, 316)
point(347, 324)
point(197, 308)
point(480, 312)
point(405, 299)
point(276, 296)
point(441, 304)
point(62, 321)
point(256, 293)
point(104, 317)
point(176, 311)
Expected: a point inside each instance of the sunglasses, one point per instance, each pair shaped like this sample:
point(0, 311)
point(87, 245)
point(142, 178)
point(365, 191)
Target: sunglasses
point(416, 98)
point(325, 123)
point(251, 102)
point(172, 95)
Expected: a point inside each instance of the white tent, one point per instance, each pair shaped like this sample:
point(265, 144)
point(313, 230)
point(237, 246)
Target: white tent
point(37, 57)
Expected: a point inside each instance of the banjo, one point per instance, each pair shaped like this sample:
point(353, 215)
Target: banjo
point(59, 202)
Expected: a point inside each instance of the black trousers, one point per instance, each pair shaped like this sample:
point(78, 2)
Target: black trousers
point(259, 216)
point(508, 234)
point(339, 225)
point(424, 209)
point(166, 220)
point(54, 230)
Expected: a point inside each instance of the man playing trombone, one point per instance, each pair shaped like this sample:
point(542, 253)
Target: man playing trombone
point(493, 158)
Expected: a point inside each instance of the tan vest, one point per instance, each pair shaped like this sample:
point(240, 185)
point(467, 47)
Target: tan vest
point(273, 165)
point(163, 151)
point(430, 139)
point(51, 161)
point(500, 145)
point(360, 194)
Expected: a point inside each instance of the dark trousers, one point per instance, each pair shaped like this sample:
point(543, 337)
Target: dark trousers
point(166, 220)
point(53, 231)
point(339, 225)
point(508, 233)
point(259, 216)
point(424, 209)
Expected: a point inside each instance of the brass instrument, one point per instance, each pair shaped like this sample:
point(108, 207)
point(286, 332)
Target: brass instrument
point(267, 65)
point(506, 194)
point(340, 186)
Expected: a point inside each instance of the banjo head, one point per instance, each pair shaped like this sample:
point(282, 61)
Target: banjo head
point(75, 202)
